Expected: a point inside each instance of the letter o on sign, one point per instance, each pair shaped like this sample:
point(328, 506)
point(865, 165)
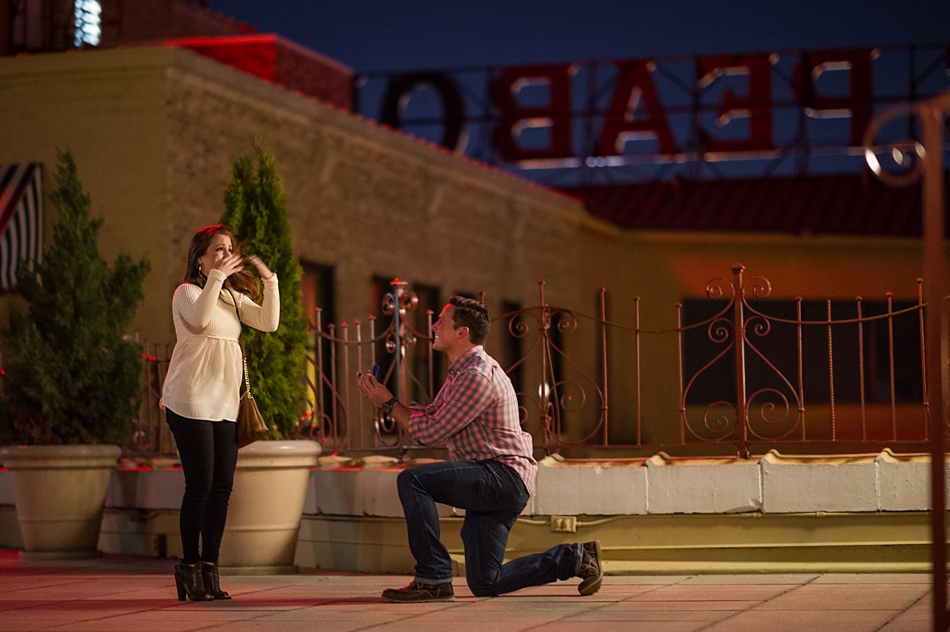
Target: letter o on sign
point(452, 105)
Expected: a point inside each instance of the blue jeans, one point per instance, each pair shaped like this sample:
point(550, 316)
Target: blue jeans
point(492, 495)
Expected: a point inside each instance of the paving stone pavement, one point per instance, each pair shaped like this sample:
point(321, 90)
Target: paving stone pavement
point(138, 595)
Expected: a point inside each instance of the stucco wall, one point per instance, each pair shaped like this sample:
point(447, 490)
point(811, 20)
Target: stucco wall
point(107, 108)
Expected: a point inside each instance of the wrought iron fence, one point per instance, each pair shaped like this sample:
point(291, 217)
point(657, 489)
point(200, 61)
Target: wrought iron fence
point(738, 374)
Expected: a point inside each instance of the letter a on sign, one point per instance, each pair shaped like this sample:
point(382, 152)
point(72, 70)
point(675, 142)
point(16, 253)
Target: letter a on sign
point(634, 88)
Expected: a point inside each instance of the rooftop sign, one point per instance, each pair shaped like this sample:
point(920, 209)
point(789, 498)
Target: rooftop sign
point(765, 107)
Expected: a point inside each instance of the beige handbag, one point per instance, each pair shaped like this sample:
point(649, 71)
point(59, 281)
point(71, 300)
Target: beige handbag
point(251, 426)
point(250, 423)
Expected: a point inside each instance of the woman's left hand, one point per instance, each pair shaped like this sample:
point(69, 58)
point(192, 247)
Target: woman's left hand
point(262, 268)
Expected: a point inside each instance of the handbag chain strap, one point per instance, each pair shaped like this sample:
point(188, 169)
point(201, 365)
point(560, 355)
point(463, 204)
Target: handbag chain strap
point(247, 377)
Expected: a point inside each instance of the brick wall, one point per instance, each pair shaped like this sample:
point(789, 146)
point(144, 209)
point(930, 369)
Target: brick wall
point(313, 74)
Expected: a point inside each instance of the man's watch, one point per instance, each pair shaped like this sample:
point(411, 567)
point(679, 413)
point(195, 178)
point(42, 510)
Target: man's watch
point(387, 407)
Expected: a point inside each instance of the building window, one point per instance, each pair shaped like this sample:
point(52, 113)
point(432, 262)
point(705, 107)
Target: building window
point(317, 290)
point(88, 22)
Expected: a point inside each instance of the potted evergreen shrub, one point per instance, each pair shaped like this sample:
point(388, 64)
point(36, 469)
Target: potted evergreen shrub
point(71, 386)
point(270, 482)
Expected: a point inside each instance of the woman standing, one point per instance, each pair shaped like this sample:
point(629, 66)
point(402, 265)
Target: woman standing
point(202, 392)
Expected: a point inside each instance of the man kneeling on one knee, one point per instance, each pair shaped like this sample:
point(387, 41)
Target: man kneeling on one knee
point(490, 473)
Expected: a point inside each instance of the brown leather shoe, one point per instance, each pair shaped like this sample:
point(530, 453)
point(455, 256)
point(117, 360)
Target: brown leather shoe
point(592, 570)
point(421, 593)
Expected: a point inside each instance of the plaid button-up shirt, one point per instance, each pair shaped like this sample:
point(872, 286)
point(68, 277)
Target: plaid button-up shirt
point(476, 415)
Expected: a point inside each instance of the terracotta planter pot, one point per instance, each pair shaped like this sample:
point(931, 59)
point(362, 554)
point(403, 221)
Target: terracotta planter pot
point(59, 492)
point(270, 485)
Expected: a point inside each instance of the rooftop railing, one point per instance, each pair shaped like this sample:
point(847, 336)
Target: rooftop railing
point(738, 374)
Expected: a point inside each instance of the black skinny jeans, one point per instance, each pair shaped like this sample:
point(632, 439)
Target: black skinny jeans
point(208, 451)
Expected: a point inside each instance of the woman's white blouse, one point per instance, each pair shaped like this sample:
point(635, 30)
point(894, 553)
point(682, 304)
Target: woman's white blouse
point(205, 371)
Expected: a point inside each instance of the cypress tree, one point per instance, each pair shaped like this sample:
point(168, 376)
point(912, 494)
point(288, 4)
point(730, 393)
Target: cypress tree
point(70, 375)
point(256, 211)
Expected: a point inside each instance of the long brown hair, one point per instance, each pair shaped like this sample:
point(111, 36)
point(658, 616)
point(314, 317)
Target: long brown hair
point(242, 280)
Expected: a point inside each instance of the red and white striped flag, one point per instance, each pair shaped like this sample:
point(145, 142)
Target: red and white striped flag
point(21, 219)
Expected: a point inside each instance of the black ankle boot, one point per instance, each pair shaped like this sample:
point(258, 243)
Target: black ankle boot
point(209, 572)
point(189, 581)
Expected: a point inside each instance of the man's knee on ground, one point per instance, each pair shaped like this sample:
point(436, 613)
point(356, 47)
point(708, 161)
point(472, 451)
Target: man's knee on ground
point(481, 586)
point(485, 590)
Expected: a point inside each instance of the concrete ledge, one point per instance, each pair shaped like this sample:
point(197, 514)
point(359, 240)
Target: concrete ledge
point(590, 487)
point(6, 487)
point(657, 486)
point(800, 484)
point(904, 482)
point(646, 545)
point(339, 490)
point(702, 485)
point(310, 500)
point(667, 544)
point(146, 488)
point(145, 533)
point(364, 544)
point(9, 528)
point(380, 497)
point(358, 489)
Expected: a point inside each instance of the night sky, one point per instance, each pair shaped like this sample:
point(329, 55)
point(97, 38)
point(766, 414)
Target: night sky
point(375, 35)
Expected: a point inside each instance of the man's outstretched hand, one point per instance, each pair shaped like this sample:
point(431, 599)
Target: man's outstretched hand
point(372, 389)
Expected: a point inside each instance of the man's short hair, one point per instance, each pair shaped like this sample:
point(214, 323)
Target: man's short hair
point(472, 314)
